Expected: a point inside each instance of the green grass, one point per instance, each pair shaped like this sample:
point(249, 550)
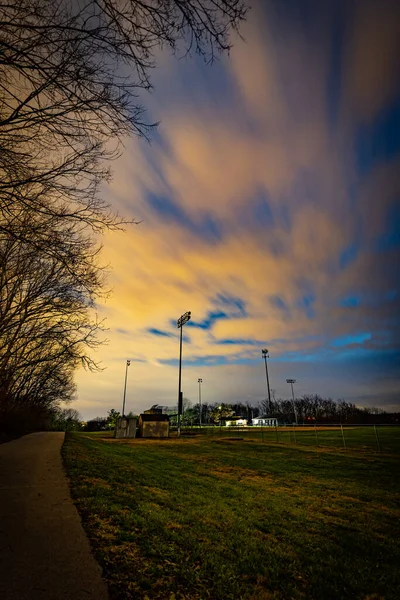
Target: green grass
point(208, 518)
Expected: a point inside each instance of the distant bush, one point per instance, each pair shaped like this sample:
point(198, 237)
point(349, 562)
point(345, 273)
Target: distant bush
point(97, 424)
point(66, 419)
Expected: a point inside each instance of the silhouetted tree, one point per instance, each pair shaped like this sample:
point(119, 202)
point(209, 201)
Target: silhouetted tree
point(46, 329)
point(70, 75)
point(112, 417)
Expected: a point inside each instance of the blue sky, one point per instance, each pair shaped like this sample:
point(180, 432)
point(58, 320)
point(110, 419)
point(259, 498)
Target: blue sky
point(269, 207)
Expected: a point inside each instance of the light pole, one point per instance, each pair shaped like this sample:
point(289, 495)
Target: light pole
point(200, 381)
point(265, 355)
point(292, 381)
point(128, 362)
point(180, 323)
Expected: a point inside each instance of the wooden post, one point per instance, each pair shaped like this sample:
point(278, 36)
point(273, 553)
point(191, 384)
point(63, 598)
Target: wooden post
point(294, 434)
point(316, 434)
point(377, 438)
point(344, 439)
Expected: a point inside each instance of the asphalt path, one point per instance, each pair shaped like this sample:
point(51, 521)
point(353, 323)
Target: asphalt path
point(44, 552)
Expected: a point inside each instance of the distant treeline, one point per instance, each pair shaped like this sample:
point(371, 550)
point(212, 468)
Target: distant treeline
point(310, 408)
point(104, 423)
point(315, 408)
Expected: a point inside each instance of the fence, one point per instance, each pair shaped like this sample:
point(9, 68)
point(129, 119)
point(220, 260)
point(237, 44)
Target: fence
point(383, 438)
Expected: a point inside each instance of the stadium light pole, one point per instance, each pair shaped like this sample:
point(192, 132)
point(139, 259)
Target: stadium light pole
point(265, 355)
point(128, 362)
point(183, 319)
point(200, 381)
point(292, 381)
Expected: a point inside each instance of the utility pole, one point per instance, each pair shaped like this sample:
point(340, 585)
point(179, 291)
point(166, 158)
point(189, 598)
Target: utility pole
point(265, 355)
point(200, 381)
point(292, 381)
point(128, 362)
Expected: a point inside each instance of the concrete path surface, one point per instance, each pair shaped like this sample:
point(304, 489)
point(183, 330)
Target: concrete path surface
point(44, 552)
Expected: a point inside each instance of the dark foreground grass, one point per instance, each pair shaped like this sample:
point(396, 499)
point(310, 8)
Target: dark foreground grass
point(223, 520)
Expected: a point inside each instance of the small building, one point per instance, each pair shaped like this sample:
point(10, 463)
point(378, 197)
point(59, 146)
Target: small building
point(265, 422)
point(125, 427)
point(153, 424)
point(238, 421)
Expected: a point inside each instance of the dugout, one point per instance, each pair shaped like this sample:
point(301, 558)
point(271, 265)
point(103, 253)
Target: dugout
point(153, 425)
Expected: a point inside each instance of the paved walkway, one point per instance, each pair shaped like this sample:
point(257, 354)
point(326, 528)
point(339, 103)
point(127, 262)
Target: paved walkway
point(44, 552)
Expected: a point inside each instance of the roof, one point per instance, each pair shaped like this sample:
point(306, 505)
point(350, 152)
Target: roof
point(154, 417)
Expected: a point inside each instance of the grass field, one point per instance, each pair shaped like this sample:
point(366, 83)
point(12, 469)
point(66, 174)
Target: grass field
point(211, 518)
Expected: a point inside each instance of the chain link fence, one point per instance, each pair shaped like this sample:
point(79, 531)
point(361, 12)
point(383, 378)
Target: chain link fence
point(382, 438)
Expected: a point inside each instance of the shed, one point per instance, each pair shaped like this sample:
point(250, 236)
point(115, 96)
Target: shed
point(153, 425)
point(125, 427)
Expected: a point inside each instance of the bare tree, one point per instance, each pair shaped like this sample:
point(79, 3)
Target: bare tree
point(70, 76)
point(45, 326)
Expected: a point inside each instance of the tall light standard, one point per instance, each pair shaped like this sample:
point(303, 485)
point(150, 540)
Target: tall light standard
point(200, 381)
point(292, 381)
point(265, 355)
point(180, 323)
point(128, 362)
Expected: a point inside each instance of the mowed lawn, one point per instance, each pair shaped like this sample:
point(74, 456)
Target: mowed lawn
point(222, 519)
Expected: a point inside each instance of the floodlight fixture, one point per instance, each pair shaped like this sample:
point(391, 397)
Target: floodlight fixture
point(183, 319)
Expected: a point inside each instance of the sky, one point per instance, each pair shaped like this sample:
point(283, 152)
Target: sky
point(269, 207)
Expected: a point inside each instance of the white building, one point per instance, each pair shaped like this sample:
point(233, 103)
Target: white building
point(265, 422)
point(239, 421)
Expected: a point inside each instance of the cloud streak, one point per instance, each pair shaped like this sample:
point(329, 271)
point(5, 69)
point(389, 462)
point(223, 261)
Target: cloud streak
point(261, 215)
